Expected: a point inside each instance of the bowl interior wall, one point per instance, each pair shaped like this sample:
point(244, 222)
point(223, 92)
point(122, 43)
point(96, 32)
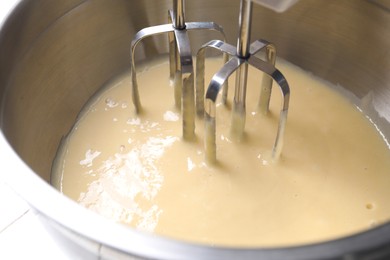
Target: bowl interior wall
point(57, 54)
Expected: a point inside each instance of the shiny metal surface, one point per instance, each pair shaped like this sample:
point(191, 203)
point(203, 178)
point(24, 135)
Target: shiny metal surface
point(238, 63)
point(178, 18)
point(56, 54)
point(243, 43)
point(180, 61)
point(217, 84)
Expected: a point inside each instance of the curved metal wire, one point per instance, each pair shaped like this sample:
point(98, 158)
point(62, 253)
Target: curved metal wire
point(181, 64)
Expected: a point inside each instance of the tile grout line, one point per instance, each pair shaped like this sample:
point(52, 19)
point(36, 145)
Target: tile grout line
point(14, 221)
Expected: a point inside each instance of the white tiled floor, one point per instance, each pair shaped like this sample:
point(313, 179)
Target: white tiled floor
point(12, 207)
point(22, 234)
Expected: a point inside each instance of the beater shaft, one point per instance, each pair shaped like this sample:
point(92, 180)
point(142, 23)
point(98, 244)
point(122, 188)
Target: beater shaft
point(243, 42)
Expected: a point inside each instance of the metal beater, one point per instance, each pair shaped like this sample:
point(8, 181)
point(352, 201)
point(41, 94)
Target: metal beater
point(241, 55)
point(182, 73)
point(180, 60)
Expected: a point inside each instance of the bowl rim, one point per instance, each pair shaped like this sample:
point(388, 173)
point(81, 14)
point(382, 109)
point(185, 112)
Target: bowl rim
point(48, 201)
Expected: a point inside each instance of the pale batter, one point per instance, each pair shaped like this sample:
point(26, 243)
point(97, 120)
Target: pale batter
point(332, 178)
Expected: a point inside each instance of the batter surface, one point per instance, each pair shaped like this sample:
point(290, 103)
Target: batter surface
point(332, 178)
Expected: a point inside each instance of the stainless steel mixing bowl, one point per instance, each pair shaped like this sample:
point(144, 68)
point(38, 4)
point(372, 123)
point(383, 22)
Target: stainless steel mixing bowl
point(55, 54)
